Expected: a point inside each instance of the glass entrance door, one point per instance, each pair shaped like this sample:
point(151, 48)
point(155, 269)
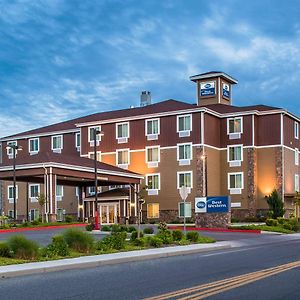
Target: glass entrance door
point(108, 213)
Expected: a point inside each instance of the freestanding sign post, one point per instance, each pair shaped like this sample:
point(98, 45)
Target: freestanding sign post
point(184, 192)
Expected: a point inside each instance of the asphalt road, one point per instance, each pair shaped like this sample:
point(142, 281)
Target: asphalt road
point(150, 278)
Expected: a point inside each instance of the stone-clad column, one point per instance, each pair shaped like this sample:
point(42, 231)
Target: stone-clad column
point(52, 196)
point(252, 181)
point(279, 171)
point(200, 184)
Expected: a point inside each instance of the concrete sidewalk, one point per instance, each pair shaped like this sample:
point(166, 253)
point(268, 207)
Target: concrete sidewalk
point(107, 259)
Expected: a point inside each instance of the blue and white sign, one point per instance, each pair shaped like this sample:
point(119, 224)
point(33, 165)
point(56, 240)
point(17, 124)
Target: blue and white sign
point(217, 204)
point(207, 88)
point(226, 90)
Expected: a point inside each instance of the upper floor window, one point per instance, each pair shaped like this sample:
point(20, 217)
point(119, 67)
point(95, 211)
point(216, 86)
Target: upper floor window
point(34, 145)
point(235, 182)
point(91, 135)
point(296, 130)
point(57, 143)
point(92, 155)
point(184, 153)
point(10, 151)
point(153, 183)
point(184, 125)
point(123, 158)
point(10, 193)
point(59, 192)
point(77, 140)
point(122, 132)
point(235, 155)
point(235, 127)
point(296, 183)
point(185, 179)
point(296, 156)
point(152, 156)
point(34, 191)
point(152, 129)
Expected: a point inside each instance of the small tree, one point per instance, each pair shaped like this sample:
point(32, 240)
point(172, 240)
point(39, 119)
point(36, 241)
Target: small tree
point(41, 200)
point(275, 204)
point(297, 204)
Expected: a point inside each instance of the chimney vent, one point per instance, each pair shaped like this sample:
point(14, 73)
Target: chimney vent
point(145, 98)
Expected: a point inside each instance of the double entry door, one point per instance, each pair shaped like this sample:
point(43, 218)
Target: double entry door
point(108, 213)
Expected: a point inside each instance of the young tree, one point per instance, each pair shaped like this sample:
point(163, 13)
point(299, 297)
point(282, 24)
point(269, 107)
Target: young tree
point(275, 204)
point(41, 200)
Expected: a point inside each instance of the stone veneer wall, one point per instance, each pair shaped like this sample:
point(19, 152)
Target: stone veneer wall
point(279, 170)
point(200, 184)
point(252, 181)
point(213, 220)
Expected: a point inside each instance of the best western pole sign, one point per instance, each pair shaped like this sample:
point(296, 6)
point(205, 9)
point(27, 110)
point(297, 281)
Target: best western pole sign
point(218, 204)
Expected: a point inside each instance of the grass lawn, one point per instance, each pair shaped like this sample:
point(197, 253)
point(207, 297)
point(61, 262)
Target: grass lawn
point(278, 228)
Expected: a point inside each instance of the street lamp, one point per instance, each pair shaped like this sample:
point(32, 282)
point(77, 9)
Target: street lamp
point(96, 132)
point(204, 158)
point(14, 148)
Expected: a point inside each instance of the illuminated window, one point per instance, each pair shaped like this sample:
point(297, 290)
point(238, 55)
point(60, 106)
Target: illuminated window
point(152, 127)
point(34, 191)
point(296, 156)
point(57, 142)
point(235, 125)
point(10, 193)
point(153, 210)
point(123, 157)
point(152, 154)
point(34, 145)
point(296, 130)
point(153, 181)
point(296, 183)
point(185, 179)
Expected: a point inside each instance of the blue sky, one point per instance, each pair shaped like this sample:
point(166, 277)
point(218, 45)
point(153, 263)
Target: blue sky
point(64, 59)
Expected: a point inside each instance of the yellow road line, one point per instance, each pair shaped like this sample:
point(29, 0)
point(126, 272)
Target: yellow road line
point(212, 285)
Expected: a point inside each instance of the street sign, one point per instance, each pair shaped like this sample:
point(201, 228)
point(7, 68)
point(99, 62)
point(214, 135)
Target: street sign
point(184, 192)
point(217, 204)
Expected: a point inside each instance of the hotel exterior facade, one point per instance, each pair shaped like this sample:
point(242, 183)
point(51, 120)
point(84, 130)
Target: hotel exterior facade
point(212, 147)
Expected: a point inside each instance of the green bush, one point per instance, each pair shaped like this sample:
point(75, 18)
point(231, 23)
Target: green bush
point(141, 242)
point(272, 222)
point(35, 222)
point(177, 235)
point(58, 247)
point(23, 248)
point(78, 240)
point(165, 236)
point(115, 241)
point(294, 223)
point(148, 230)
point(131, 229)
point(134, 235)
point(235, 220)
point(89, 227)
point(192, 236)
point(25, 224)
point(69, 219)
point(162, 226)
point(155, 242)
point(276, 204)
point(287, 226)
point(4, 250)
point(105, 228)
point(116, 228)
point(105, 244)
point(281, 220)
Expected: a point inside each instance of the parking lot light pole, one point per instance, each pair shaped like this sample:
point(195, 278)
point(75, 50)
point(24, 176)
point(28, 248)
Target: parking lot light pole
point(14, 148)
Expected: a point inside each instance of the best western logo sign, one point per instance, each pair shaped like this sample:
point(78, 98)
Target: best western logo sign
point(212, 204)
point(207, 88)
point(226, 90)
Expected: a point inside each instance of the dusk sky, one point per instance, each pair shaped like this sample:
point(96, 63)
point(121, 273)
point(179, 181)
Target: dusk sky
point(64, 59)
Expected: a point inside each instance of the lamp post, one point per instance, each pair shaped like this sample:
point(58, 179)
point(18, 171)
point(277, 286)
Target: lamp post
point(96, 132)
point(14, 148)
point(204, 158)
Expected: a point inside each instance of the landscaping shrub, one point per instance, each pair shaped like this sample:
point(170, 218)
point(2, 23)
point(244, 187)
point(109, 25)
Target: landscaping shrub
point(35, 222)
point(192, 236)
point(148, 230)
point(23, 248)
point(272, 222)
point(25, 224)
point(116, 228)
point(115, 241)
point(287, 226)
point(105, 244)
point(4, 250)
point(165, 236)
point(134, 235)
point(131, 229)
point(139, 242)
point(155, 242)
point(235, 220)
point(276, 204)
point(69, 219)
point(177, 235)
point(79, 240)
point(294, 224)
point(105, 228)
point(281, 220)
point(58, 247)
point(162, 226)
point(89, 227)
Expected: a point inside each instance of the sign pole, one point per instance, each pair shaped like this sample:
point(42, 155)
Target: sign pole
point(184, 191)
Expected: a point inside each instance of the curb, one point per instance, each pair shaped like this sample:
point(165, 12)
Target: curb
point(256, 231)
point(107, 259)
point(39, 228)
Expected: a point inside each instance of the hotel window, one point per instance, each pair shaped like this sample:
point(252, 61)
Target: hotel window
point(185, 179)
point(235, 155)
point(34, 145)
point(59, 214)
point(187, 207)
point(184, 125)
point(152, 156)
point(59, 192)
point(296, 183)
point(122, 132)
point(10, 152)
point(296, 130)
point(34, 214)
point(91, 190)
point(92, 155)
point(184, 153)
point(34, 191)
point(77, 141)
point(235, 183)
point(235, 127)
point(153, 210)
point(153, 183)
point(10, 213)
point(91, 135)
point(10, 193)
point(152, 129)
point(296, 156)
point(123, 158)
point(57, 143)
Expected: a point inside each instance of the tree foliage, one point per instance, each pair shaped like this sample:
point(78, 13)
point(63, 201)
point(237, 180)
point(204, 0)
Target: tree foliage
point(275, 204)
point(41, 200)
